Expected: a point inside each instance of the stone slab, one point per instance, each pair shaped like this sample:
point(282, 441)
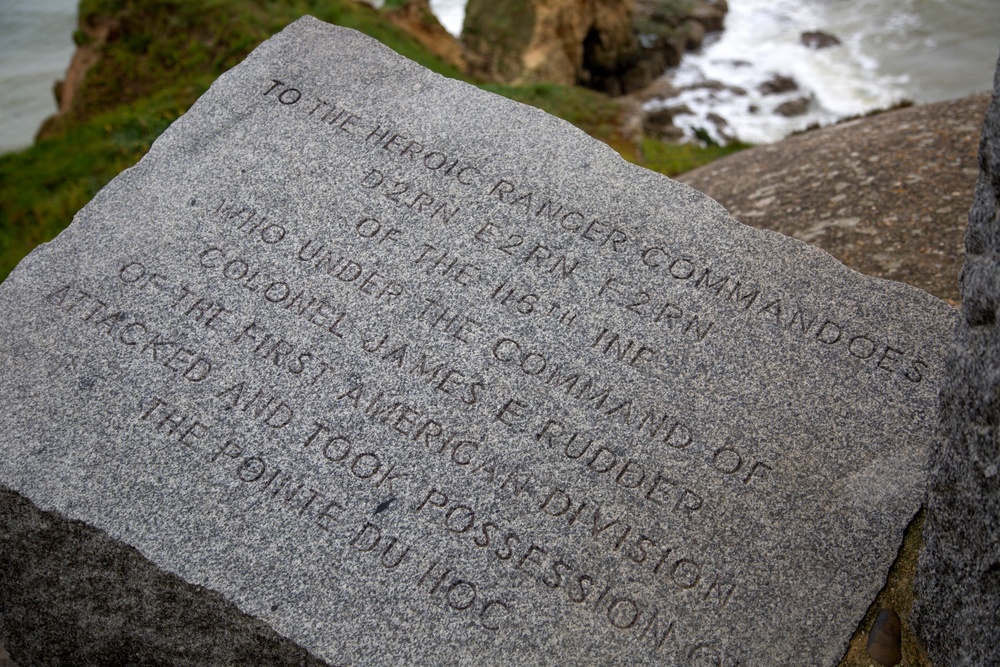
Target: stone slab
point(414, 374)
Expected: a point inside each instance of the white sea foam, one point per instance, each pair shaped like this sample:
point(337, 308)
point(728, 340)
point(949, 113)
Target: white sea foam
point(450, 13)
point(889, 52)
point(761, 41)
point(920, 50)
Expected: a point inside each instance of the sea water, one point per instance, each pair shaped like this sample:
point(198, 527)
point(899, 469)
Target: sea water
point(36, 44)
point(920, 50)
point(890, 51)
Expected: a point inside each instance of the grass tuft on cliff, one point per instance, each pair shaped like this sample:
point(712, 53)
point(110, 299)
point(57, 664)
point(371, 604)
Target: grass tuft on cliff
point(158, 56)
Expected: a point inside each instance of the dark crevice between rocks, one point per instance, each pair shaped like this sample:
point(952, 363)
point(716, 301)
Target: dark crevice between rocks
point(72, 595)
point(897, 595)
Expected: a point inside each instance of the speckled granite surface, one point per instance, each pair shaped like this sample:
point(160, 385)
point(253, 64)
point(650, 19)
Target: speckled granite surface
point(409, 373)
point(958, 611)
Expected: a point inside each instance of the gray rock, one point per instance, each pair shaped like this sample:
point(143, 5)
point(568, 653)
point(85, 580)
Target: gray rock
point(694, 35)
point(412, 374)
point(777, 84)
point(711, 14)
point(817, 39)
point(796, 107)
point(660, 123)
point(722, 126)
point(711, 84)
point(958, 579)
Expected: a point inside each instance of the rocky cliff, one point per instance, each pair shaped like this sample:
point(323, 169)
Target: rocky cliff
point(416, 19)
point(131, 50)
point(615, 46)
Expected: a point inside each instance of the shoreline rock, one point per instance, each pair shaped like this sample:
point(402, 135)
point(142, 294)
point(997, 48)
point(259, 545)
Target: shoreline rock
point(90, 39)
point(778, 84)
point(613, 47)
point(792, 108)
point(817, 39)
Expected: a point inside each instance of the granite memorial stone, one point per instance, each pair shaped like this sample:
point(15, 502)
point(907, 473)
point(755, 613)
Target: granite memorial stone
point(389, 370)
point(958, 612)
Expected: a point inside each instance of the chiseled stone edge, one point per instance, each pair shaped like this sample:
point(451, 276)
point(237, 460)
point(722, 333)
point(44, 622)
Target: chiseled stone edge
point(958, 579)
point(72, 595)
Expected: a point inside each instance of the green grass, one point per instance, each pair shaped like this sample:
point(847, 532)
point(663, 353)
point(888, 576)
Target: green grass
point(41, 188)
point(511, 29)
point(674, 159)
point(595, 113)
point(163, 54)
point(157, 42)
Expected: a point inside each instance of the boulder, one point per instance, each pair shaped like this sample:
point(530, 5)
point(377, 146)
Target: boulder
point(91, 38)
point(694, 34)
point(958, 579)
point(714, 86)
point(792, 108)
point(615, 46)
point(886, 195)
point(722, 126)
point(817, 39)
point(559, 41)
point(105, 603)
point(710, 13)
point(777, 84)
point(660, 123)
